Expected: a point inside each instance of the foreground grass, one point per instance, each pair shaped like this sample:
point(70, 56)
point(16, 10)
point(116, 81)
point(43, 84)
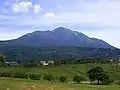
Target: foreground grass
point(69, 70)
point(17, 84)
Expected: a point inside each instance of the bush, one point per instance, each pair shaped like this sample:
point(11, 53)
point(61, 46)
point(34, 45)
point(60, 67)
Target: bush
point(30, 65)
point(107, 81)
point(57, 63)
point(14, 74)
point(6, 74)
point(77, 79)
point(35, 76)
point(118, 83)
point(50, 64)
point(48, 77)
point(19, 75)
point(0, 74)
point(63, 79)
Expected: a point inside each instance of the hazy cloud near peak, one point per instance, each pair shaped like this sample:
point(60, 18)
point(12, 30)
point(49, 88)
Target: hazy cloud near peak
point(49, 15)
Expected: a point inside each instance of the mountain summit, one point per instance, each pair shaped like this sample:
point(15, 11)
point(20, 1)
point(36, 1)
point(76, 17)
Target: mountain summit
point(58, 37)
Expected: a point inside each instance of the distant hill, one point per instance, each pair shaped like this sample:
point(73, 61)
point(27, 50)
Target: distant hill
point(59, 37)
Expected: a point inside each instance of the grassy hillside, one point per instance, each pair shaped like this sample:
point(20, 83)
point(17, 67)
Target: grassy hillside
point(69, 70)
point(16, 84)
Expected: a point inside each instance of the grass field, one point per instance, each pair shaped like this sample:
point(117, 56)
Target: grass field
point(69, 70)
point(17, 84)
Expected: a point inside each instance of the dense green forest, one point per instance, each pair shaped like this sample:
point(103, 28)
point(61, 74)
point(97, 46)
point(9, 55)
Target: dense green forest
point(25, 53)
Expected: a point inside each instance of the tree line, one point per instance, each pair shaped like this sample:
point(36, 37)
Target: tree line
point(82, 60)
point(27, 53)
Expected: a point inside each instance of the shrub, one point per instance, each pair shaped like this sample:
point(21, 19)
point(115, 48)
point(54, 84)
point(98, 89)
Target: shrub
point(0, 74)
point(77, 79)
point(63, 79)
point(13, 74)
point(35, 76)
point(30, 65)
point(107, 81)
point(48, 77)
point(57, 63)
point(6, 74)
point(50, 64)
point(118, 82)
point(19, 75)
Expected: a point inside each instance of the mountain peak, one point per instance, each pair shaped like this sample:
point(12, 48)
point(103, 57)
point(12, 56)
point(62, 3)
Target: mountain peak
point(61, 29)
point(61, 37)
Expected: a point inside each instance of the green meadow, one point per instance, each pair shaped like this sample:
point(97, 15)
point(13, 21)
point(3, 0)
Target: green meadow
point(16, 84)
point(67, 70)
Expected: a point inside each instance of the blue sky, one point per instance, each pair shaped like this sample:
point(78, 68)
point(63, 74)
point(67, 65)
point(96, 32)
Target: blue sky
point(95, 18)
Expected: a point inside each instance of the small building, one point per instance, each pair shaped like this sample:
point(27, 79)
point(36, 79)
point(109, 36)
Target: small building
point(52, 62)
point(119, 60)
point(15, 63)
point(12, 63)
point(111, 60)
point(42, 62)
point(46, 63)
point(8, 63)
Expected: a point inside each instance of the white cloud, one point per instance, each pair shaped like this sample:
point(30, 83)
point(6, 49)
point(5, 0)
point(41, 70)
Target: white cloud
point(60, 6)
point(22, 6)
point(25, 7)
point(49, 15)
point(37, 8)
point(105, 19)
point(101, 12)
point(104, 13)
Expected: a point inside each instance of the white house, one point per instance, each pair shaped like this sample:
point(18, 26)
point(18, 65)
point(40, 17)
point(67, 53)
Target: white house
point(52, 62)
point(46, 63)
point(12, 63)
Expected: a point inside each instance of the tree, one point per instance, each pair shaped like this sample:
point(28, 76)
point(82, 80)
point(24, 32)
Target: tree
point(31, 61)
point(64, 62)
point(118, 83)
point(78, 78)
point(107, 81)
point(18, 61)
point(50, 64)
point(2, 58)
point(63, 78)
point(97, 73)
point(35, 76)
point(57, 63)
point(48, 77)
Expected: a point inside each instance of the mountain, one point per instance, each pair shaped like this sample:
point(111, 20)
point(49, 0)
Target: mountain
point(58, 37)
point(58, 44)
